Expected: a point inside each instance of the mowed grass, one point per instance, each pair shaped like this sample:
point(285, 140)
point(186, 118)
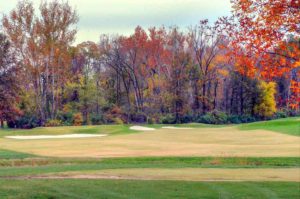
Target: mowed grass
point(230, 150)
point(289, 126)
point(216, 142)
point(6, 154)
point(135, 189)
point(101, 129)
point(41, 166)
point(97, 129)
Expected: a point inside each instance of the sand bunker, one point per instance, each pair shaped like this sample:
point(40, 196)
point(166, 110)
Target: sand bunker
point(173, 127)
point(37, 137)
point(141, 128)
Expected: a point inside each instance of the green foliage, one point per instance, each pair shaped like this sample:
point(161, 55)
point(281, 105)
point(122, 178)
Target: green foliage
point(150, 120)
point(97, 119)
point(281, 114)
point(25, 122)
point(138, 117)
point(266, 106)
point(77, 119)
point(234, 119)
point(168, 119)
point(53, 123)
point(66, 118)
point(214, 117)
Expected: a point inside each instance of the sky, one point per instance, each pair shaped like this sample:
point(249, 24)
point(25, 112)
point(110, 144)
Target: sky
point(98, 17)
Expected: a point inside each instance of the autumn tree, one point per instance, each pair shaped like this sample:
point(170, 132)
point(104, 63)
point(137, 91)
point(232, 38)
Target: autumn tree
point(266, 105)
point(42, 42)
point(261, 29)
point(9, 85)
point(204, 45)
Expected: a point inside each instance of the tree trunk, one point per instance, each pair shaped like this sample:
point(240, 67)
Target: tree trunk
point(242, 96)
point(215, 94)
point(204, 98)
point(1, 123)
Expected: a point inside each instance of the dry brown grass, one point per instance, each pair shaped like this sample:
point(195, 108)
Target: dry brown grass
point(187, 174)
point(221, 142)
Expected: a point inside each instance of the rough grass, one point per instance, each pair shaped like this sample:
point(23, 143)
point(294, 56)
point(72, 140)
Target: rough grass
point(130, 189)
point(289, 126)
point(186, 174)
point(38, 166)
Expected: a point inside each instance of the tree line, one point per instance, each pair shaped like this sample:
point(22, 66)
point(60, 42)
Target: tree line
point(211, 73)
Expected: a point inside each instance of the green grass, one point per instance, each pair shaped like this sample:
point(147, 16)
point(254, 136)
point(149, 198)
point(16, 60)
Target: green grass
point(289, 126)
point(131, 189)
point(6, 154)
point(101, 129)
point(37, 166)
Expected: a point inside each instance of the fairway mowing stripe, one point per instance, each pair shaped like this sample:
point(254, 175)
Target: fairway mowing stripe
point(183, 174)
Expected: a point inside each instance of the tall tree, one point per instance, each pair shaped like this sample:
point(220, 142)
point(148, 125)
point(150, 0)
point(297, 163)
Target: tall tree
point(204, 45)
point(42, 41)
point(9, 86)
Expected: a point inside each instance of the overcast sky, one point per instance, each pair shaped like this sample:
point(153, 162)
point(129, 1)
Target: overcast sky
point(122, 16)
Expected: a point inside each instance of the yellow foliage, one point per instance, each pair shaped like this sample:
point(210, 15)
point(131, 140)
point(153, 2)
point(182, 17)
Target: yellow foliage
point(267, 104)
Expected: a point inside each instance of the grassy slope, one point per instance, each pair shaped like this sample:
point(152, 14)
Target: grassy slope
point(289, 126)
point(38, 189)
point(6, 154)
point(101, 129)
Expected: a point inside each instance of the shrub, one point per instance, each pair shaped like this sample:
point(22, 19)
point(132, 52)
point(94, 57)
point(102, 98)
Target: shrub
point(168, 119)
point(150, 120)
point(138, 117)
point(247, 118)
point(52, 123)
point(97, 119)
point(234, 119)
point(65, 118)
point(281, 114)
point(118, 120)
point(293, 113)
point(214, 117)
point(77, 119)
point(24, 122)
point(187, 119)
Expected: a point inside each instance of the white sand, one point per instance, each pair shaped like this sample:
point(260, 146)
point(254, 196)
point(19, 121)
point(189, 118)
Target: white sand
point(141, 128)
point(36, 137)
point(173, 127)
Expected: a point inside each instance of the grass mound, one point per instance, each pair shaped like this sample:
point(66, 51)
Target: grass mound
point(290, 126)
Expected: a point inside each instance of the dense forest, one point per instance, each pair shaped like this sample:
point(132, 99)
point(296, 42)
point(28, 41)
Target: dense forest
point(241, 68)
